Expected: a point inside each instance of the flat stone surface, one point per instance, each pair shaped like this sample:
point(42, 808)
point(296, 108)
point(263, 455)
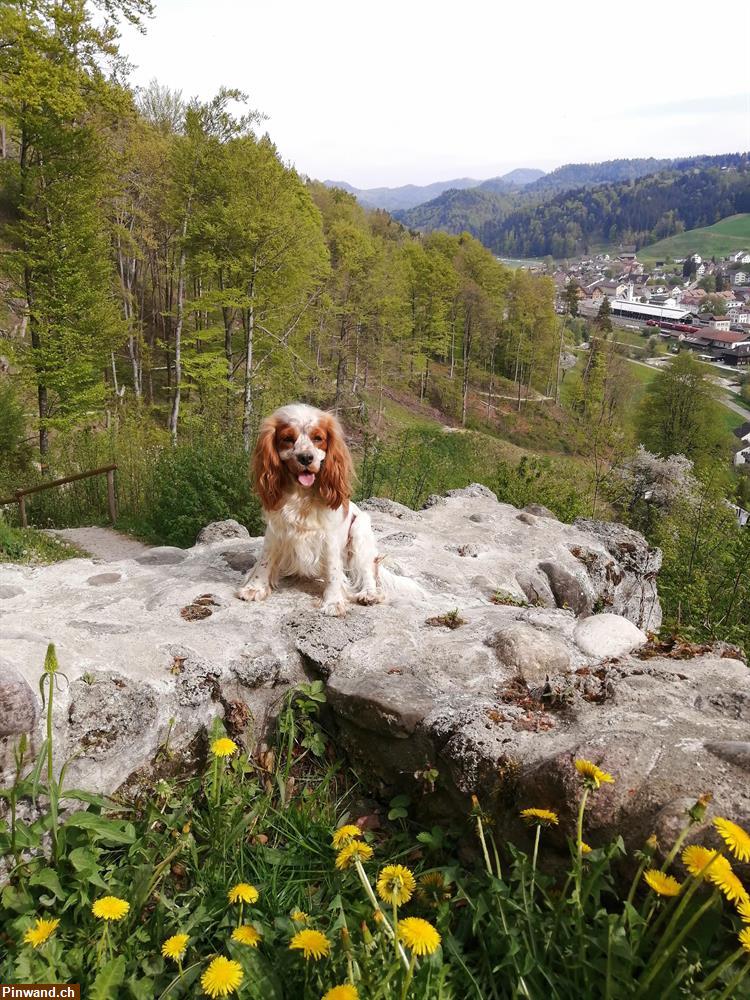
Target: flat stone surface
point(500, 706)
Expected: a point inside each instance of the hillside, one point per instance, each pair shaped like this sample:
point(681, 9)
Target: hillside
point(725, 236)
point(533, 222)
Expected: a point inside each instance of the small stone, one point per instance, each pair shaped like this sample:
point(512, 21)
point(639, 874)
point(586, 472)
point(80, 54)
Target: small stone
point(540, 511)
point(526, 518)
point(399, 538)
point(219, 531)
point(382, 505)
point(473, 490)
point(534, 654)
point(568, 589)
point(104, 579)
point(240, 558)
point(607, 636)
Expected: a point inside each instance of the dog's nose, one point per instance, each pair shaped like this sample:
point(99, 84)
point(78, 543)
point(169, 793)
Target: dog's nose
point(304, 459)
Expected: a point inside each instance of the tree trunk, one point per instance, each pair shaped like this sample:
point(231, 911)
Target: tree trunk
point(247, 397)
point(177, 388)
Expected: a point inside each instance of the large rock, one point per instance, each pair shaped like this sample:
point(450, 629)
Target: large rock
point(544, 661)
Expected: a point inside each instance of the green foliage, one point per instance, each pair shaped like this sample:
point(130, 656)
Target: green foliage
point(544, 481)
point(27, 545)
point(501, 922)
point(15, 453)
point(717, 240)
point(195, 483)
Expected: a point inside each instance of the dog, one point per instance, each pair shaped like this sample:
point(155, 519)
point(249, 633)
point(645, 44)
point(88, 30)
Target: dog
point(303, 473)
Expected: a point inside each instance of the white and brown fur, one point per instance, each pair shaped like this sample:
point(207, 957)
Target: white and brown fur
point(303, 474)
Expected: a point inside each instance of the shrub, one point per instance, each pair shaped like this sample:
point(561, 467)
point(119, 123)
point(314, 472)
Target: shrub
point(195, 483)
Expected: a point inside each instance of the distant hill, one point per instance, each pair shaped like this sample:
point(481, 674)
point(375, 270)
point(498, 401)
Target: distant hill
point(732, 233)
point(408, 196)
point(578, 206)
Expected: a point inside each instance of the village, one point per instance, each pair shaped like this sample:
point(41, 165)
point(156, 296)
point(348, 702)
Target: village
point(700, 304)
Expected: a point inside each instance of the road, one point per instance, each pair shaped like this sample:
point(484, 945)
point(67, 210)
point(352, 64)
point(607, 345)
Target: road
point(102, 544)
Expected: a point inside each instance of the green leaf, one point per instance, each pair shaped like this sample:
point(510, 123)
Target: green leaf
point(110, 977)
point(50, 880)
point(112, 830)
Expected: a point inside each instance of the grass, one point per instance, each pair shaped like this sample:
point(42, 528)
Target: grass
point(257, 857)
point(27, 545)
point(725, 236)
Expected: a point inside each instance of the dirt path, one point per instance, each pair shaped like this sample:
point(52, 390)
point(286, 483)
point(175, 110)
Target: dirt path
point(104, 544)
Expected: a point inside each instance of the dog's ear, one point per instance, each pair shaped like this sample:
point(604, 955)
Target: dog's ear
point(335, 477)
point(268, 469)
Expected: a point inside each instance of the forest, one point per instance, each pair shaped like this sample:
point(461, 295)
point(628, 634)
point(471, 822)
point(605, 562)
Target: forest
point(167, 280)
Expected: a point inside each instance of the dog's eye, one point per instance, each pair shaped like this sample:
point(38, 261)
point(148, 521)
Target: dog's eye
point(287, 441)
point(317, 438)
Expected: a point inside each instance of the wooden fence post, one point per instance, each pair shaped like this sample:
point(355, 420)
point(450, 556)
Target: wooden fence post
point(111, 495)
point(22, 506)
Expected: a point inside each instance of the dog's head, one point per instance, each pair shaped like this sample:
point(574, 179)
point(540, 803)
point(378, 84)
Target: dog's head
point(301, 448)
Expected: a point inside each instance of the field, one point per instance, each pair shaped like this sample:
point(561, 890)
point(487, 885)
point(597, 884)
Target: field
point(732, 233)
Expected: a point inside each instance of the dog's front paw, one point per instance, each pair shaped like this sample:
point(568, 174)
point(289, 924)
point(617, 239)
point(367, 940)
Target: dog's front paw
point(334, 609)
point(368, 597)
point(253, 592)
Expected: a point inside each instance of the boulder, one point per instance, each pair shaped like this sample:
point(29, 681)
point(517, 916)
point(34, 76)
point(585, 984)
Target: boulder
point(220, 531)
point(545, 660)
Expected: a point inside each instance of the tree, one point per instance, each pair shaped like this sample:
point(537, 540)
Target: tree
point(679, 416)
point(603, 317)
point(715, 304)
point(570, 297)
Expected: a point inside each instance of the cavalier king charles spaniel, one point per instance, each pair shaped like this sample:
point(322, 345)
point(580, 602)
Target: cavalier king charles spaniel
point(303, 472)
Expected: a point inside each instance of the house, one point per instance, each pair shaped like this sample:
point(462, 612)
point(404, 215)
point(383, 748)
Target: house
point(739, 278)
point(700, 270)
point(738, 356)
point(716, 322)
point(695, 258)
point(740, 257)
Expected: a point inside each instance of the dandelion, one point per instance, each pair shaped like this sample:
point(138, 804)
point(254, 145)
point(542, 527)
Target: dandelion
point(663, 885)
point(312, 944)
point(110, 908)
point(697, 859)
point(41, 931)
point(245, 934)
point(543, 817)
point(300, 917)
point(357, 850)
point(736, 839)
point(727, 882)
point(419, 936)
point(345, 992)
point(243, 893)
point(744, 937)
point(593, 775)
point(174, 947)
point(743, 908)
point(433, 888)
point(585, 848)
point(345, 835)
point(396, 885)
point(224, 747)
point(222, 977)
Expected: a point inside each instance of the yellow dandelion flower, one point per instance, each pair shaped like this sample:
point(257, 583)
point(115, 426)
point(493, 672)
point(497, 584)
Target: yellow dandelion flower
point(697, 858)
point(224, 747)
point(174, 947)
point(312, 944)
point(222, 977)
point(41, 931)
point(663, 885)
point(245, 934)
point(727, 882)
point(736, 839)
point(110, 908)
point(243, 893)
point(345, 992)
point(356, 849)
point(345, 835)
point(396, 885)
point(419, 935)
point(585, 848)
point(300, 917)
point(544, 817)
point(593, 775)
point(743, 908)
point(744, 937)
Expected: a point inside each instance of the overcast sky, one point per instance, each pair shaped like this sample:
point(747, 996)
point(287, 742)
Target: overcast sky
point(409, 91)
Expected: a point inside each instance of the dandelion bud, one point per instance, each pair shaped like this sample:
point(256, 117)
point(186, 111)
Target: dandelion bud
point(652, 844)
point(698, 811)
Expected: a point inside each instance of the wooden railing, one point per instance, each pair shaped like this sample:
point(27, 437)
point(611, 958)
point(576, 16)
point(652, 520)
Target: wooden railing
point(19, 496)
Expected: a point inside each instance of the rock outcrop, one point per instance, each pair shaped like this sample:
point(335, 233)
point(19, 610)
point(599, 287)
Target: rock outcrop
point(530, 648)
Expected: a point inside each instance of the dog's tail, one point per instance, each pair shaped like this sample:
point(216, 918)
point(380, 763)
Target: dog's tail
point(397, 586)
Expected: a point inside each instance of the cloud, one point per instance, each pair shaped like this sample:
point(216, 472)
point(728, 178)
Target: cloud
point(695, 106)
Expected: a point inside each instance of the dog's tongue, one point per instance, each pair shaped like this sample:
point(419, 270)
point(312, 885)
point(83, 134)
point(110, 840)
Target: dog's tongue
point(306, 478)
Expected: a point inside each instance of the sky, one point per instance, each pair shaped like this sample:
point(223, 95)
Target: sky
point(390, 93)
